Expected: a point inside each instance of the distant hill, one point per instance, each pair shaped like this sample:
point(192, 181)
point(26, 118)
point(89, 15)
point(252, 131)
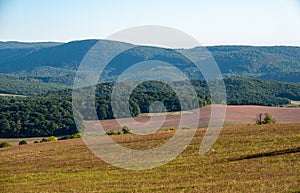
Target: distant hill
point(66, 56)
point(23, 45)
point(270, 63)
point(57, 62)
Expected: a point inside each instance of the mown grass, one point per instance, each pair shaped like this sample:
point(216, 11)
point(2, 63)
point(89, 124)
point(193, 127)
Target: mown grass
point(68, 166)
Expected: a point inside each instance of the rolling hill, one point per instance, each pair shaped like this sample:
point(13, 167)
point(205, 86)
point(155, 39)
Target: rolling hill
point(244, 159)
point(57, 62)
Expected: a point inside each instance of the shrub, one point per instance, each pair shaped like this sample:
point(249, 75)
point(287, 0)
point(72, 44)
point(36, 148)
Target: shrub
point(52, 138)
point(267, 119)
point(36, 142)
point(4, 144)
point(110, 132)
point(126, 130)
point(76, 135)
point(22, 142)
point(44, 140)
point(119, 132)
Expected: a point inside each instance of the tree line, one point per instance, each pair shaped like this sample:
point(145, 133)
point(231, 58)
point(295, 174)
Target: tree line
point(52, 114)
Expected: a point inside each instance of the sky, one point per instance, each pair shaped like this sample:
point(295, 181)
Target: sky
point(211, 22)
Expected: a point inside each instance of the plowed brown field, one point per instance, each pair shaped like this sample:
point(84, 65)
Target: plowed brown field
point(235, 115)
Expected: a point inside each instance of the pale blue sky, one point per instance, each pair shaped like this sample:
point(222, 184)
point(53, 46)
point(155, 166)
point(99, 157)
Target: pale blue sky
point(211, 22)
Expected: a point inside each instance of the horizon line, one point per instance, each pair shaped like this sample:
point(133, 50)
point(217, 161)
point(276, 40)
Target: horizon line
point(204, 45)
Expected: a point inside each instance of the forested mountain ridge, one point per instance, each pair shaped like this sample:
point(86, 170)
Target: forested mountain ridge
point(66, 56)
point(271, 63)
point(22, 45)
point(57, 62)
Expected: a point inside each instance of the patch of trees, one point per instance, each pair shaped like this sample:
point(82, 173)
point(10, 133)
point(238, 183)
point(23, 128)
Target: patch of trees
point(266, 118)
point(125, 130)
point(29, 117)
point(241, 91)
point(52, 114)
point(142, 97)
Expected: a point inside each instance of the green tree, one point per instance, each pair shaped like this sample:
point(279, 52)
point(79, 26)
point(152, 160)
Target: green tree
point(268, 119)
point(22, 142)
point(264, 119)
point(126, 130)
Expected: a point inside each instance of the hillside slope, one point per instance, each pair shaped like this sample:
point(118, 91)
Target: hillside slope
point(55, 61)
point(244, 159)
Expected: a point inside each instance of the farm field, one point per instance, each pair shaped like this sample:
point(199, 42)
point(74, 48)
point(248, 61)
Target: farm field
point(15, 141)
point(245, 158)
point(235, 115)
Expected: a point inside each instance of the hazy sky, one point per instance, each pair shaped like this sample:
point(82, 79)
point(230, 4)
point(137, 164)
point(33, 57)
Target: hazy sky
point(212, 22)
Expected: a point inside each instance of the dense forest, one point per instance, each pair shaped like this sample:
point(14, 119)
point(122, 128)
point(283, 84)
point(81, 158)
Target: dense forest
point(57, 63)
point(13, 84)
point(51, 113)
point(35, 117)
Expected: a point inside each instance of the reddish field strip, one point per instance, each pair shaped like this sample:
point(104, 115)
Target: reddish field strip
point(240, 114)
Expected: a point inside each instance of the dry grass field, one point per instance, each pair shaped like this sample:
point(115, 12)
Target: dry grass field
point(249, 158)
point(15, 141)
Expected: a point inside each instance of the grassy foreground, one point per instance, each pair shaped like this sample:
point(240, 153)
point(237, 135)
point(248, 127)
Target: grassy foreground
point(244, 159)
